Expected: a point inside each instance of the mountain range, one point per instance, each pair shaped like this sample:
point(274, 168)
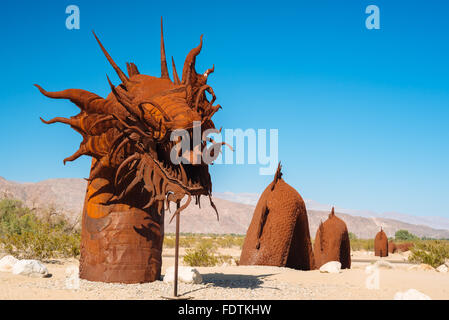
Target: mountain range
point(66, 196)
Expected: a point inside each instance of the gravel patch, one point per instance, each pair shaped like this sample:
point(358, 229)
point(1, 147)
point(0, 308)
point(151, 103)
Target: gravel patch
point(214, 286)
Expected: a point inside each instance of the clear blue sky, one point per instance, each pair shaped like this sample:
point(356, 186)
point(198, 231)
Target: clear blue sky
point(363, 115)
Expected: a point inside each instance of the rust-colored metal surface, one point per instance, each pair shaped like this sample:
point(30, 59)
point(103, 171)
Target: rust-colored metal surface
point(132, 179)
point(279, 231)
point(402, 247)
point(332, 242)
point(392, 247)
point(381, 244)
point(399, 247)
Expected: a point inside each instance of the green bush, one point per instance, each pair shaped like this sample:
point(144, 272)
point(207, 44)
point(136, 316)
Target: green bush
point(404, 235)
point(352, 236)
point(15, 218)
point(362, 244)
point(25, 235)
point(205, 255)
point(432, 252)
point(201, 256)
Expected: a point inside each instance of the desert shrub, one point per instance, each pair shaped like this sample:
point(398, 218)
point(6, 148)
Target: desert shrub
point(15, 218)
point(404, 235)
point(226, 259)
point(25, 235)
point(184, 241)
point(224, 242)
point(430, 238)
point(432, 252)
point(229, 241)
point(169, 242)
point(362, 244)
point(203, 255)
point(352, 236)
point(189, 240)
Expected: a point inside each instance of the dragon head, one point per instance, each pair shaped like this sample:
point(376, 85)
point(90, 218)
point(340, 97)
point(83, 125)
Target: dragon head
point(128, 134)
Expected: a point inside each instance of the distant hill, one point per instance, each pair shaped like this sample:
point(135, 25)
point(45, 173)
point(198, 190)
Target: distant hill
point(67, 197)
point(429, 221)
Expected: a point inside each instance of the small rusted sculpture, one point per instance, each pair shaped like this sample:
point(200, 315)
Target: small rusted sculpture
point(392, 247)
point(381, 244)
point(279, 231)
point(132, 179)
point(399, 247)
point(332, 242)
point(406, 246)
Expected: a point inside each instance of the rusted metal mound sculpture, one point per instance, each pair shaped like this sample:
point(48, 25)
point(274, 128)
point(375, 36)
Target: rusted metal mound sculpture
point(399, 247)
point(132, 179)
point(279, 231)
point(381, 244)
point(402, 247)
point(392, 247)
point(332, 242)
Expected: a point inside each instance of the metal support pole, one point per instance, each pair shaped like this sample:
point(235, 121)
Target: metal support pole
point(175, 282)
point(175, 292)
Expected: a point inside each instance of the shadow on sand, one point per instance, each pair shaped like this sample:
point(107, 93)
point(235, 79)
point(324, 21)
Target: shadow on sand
point(233, 281)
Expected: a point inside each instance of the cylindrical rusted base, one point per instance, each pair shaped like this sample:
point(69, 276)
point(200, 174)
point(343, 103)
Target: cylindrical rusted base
point(123, 247)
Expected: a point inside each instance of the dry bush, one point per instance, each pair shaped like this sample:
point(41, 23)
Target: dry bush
point(432, 252)
point(229, 241)
point(24, 234)
point(362, 244)
point(205, 255)
point(190, 240)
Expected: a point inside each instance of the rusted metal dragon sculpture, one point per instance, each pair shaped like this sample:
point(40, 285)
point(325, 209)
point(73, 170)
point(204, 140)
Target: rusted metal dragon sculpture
point(132, 179)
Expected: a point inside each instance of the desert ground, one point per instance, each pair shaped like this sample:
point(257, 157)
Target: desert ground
point(240, 282)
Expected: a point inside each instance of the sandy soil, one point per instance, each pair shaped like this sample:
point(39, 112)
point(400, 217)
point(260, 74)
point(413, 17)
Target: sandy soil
point(239, 282)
